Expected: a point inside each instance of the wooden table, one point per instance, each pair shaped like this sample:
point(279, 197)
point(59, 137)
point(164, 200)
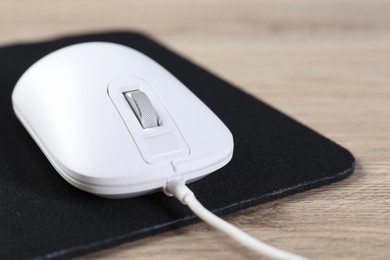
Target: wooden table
point(325, 63)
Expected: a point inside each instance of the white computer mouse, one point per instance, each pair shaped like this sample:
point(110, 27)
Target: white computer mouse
point(115, 123)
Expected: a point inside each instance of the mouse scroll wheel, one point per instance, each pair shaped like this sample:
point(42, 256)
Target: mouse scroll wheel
point(143, 109)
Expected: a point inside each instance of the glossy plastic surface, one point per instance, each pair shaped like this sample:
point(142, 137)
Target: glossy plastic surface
point(72, 104)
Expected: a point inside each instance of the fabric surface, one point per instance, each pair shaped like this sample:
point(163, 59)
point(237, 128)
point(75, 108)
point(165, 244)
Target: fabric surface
point(42, 216)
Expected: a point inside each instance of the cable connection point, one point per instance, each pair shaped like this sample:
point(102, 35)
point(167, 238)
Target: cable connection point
point(187, 197)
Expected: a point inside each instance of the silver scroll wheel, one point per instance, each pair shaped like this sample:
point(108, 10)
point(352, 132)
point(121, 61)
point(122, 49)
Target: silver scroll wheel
point(143, 109)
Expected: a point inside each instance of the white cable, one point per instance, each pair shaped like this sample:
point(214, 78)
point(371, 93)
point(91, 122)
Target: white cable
point(187, 197)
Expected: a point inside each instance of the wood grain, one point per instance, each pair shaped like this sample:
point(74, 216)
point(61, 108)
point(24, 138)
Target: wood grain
point(325, 63)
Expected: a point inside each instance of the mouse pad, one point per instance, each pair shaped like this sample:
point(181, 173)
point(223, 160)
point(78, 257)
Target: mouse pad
point(42, 216)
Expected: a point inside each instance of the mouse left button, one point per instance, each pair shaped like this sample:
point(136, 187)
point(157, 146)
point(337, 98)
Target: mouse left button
point(143, 108)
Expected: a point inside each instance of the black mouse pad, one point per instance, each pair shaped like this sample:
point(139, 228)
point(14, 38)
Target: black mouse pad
point(42, 216)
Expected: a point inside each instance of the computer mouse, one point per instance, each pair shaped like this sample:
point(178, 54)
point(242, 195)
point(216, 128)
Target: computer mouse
point(115, 123)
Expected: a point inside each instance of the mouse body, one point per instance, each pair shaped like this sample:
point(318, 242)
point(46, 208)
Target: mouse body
point(115, 123)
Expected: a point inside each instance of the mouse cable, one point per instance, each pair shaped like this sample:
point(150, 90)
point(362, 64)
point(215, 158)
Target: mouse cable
point(178, 189)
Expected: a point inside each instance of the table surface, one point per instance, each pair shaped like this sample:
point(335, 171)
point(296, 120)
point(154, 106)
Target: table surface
point(325, 63)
